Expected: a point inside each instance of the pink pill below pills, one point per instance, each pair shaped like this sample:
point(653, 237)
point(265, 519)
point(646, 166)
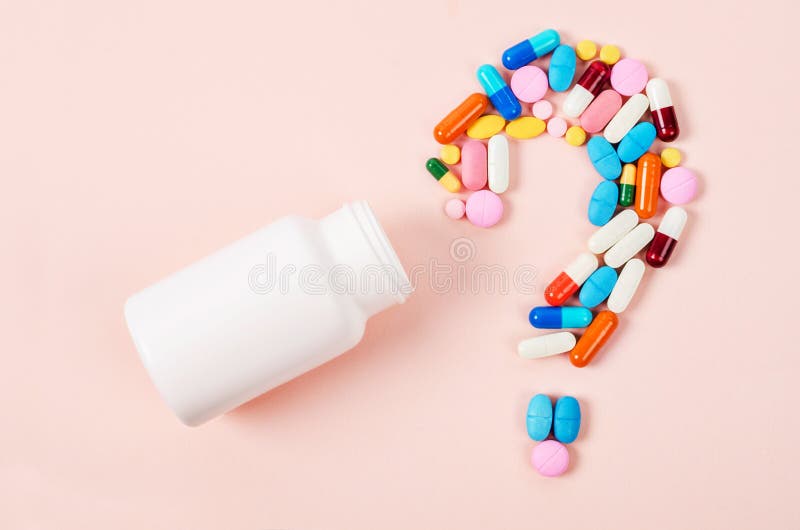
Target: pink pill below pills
point(550, 458)
point(678, 185)
point(529, 83)
point(629, 77)
point(600, 111)
point(484, 208)
point(557, 127)
point(455, 208)
point(542, 109)
point(474, 166)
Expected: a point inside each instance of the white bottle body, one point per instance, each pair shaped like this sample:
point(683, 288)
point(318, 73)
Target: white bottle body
point(262, 310)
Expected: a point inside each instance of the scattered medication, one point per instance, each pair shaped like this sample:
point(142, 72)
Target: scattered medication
point(629, 77)
point(557, 127)
point(662, 110)
point(610, 54)
point(588, 86)
point(669, 231)
point(629, 278)
point(455, 208)
point(531, 49)
point(542, 109)
point(600, 111)
point(594, 338)
point(624, 120)
point(562, 68)
point(629, 246)
point(567, 419)
point(550, 458)
point(546, 345)
point(486, 127)
point(575, 136)
point(455, 123)
point(636, 142)
point(573, 276)
point(499, 92)
point(598, 286)
point(498, 164)
point(678, 185)
point(525, 127)
point(670, 157)
point(445, 177)
point(604, 158)
point(648, 181)
point(484, 208)
point(529, 83)
point(539, 419)
point(614, 230)
point(474, 164)
point(450, 154)
point(603, 203)
point(586, 50)
point(627, 185)
point(559, 317)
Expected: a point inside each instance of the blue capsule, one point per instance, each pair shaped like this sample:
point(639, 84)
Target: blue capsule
point(562, 68)
point(499, 92)
point(540, 417)
point(636, 143)
point(604, 158)
point(531, 49)
point(559, 317)
point(598, 286)
point(603, 203)
point(567, 420)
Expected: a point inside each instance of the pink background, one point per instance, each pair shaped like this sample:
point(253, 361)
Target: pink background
point(136, 137)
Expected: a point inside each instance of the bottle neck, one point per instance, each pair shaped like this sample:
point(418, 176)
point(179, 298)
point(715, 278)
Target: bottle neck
point(367, 267)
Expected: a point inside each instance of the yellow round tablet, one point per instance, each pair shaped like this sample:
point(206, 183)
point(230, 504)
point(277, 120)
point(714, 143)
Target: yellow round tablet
point(486, 127)
point(586, 50)
point(525, 127)
point(575, 136)
point(609, 54)
point(450, 154)
point(670, 157)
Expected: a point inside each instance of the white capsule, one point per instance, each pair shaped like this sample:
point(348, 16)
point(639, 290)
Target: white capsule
point(628, 246)
point(577, 101)
point(673, 222)
point(626, 117)
point(625, 288)
point(581, 268)
point(498, 163)
point(613, 231)
point(546, 345)
point(658, 94)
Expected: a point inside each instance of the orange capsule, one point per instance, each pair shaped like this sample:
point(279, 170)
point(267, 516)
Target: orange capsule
point(648, 180)
point(461, 117)
point(595, 336)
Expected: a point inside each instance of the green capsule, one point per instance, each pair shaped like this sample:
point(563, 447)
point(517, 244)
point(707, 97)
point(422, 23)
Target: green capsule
point(445, 177)
point(627, 185)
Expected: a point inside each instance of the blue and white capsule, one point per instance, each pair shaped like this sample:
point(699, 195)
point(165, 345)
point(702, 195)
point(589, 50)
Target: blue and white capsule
point(499, 92)
point(531, 49)
point(559, 317)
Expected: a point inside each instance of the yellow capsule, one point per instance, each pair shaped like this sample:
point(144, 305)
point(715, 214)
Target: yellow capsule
point(610, 54)
point(450, 182)
point(586, 50)
point(670, 157)
point(450, 154)
point(486, 127)
point(575, 136)
point(525, 127)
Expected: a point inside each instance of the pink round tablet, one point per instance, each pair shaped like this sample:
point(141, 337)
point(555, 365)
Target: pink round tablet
point(474, 166)
point(550, 458)
point(455, 208)
point(484, 208)
point(629, 77)
point(557, 127)
point(600, 111)
point(678, 185)
point(542, 109)
point(529, 83)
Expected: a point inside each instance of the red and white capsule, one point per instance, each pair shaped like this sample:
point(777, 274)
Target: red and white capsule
point(588, 86)
point(662, 110)
point(573, 276)
point(669, 231)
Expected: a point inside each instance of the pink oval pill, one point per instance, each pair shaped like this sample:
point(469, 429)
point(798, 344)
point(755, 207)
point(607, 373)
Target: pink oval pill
point(557, 127)
point(600, 111)
point(455, 208)
point(484, 208)
point(629, 77)
point(529, 83)
point(473, 165)
point(542, 109)
point(550, 458)
point(678, 185)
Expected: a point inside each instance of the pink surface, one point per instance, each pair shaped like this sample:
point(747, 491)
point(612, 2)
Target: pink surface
point(135, 137)
point(529, 83)
point(550, 458)
point(473, 164)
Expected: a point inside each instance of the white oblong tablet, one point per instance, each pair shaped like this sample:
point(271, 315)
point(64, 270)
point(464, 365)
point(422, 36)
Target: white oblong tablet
point(577, 101)
point(546, 345)
point(626, 117)
point(628, 246)
point(498, 163)
point(581, 268)
point(626, 286)
point(613, 231)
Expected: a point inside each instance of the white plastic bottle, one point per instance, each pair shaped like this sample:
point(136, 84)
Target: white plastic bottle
point(265, 309)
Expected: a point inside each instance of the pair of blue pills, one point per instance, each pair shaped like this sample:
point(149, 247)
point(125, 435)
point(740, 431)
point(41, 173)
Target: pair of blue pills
point(608, 161)
point(598, 286)
point(564, 421)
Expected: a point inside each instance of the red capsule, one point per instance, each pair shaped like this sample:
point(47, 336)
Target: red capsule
point(662, 110)
point(568, 281)
point(666, 237)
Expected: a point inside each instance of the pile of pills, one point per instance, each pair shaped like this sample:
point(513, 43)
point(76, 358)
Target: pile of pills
point(633, 179)
point(551, 457)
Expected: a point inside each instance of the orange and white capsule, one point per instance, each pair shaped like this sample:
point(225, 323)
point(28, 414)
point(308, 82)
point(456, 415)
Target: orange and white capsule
point(573, 276)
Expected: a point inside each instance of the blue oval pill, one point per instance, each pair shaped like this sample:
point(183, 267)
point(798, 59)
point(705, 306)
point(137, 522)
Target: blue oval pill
point(540, 417)
point(604, 157)
point(562, 68)
point(636, 143)
point(598, 286)
point(559, 317)
point(603, 202)
point(567, 421)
